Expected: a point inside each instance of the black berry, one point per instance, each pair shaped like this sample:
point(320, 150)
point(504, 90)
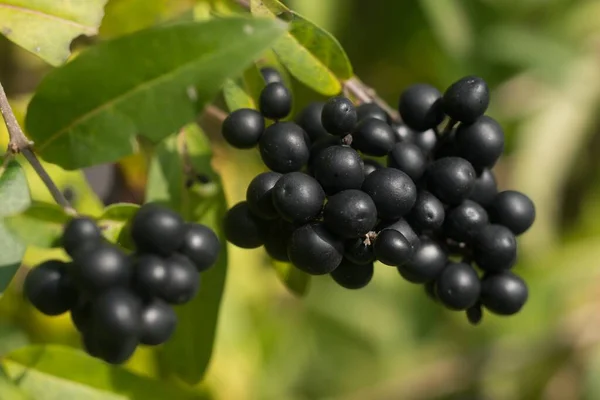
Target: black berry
point(116, 314)
point(352, 276)
point(350, 213)
point(428, 260)
point(359, 252)
point(113, 350)
point(244, 229)
point(393, 192)
point(81, 315)
point(371, 110)
point(275, 101)
point(100, 268)
point(277, 240)
point(408, 158)
point(503, 293)
point(373, 137)
point(243, 128)
point(157, 229)
point(451, 179)
point(481, 142)
point(338, 168)
point(283, 147)
point(79, 232)
point(370, 166)
point(310, 120)
point(402, 226)
point(270, 75)
point(458, 286)
point(466, 99)
point(259, 195)
point(428, 213)
point(339, 116)
point(426, 140)
point(183, 282)
point(403, 133)
point(315, 250)
point(514, 210)
point(49, 288)
point(201, 245)
point(464, 221)
point(158, 321)
point(485, 188)
point(475, 314)
point(421, 107)
point(392, 248)
point(495, 248)
point(150, 275)
point(298, 197)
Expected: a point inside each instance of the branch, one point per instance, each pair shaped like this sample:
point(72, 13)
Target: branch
point(19, 143)
point(365, 94)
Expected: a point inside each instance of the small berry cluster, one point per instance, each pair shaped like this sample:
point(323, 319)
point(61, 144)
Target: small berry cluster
point(119, 300)
point(433, 212)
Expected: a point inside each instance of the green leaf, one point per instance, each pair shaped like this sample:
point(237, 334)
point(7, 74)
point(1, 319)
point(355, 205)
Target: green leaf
point(298, 282)
point(40, 225)
point(115, 222)
point(187, 354)
point(14, 198)
point(9, 390)
point(56, 372)
point(47, 27)
point(310, 53)
point(244, 92)
point(77, 122)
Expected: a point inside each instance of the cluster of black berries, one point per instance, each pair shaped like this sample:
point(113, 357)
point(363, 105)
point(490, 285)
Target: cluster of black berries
point(330, 206)
point(120, 300)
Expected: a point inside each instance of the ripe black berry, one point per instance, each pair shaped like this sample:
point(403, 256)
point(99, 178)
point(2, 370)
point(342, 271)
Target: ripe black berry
point(485, 188)
point(514, 210)
point(158, 321)
point(402, 226)
point(278, 237)
point(421, 107)
point(428, 213)
point(371, 110)
point(481, 142)
point(183, 282)
point(150, 274)
point(370, 166)
point(298, 197)
point(100, 268)
point(426, 140)
point(116, 314)
point(352, 276)
point(451, 179)
point(339, 116)
point(79, 232)
point(243, 128)
point(283, 147)
point(358, 252)
point(464, 221)
point(81, 315)
point(403, 133)
point(338, 168)
point(244, 229)
point(113, 350)
point(310, 120)
point(373, 137)
point(458, 286)
point(408, 158)
point(275, 101)
point(393, 192)
point(392, 248)
point(466, 99)
point(259, 195)
point(200, 245)
point(350, 213)
point(157, 229)
point(315, 250)
point(428, 260)
point(49, 288)
point(270, 75)
point(495, 248)
point(475, 314)
point(503, 293)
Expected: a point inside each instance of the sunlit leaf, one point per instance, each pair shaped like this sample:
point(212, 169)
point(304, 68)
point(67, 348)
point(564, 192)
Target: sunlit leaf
point(296, 281)
point(40, 225)
point(115, 223)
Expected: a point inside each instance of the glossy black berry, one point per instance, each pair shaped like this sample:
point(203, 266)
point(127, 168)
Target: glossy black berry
point(464, 221)
point(402, 226)
point(503, 293)
point(495, 248)
point(298, 197)
point(275, 101)
point(350, 213)
point(339, 116)
point(426, 140)
point(158, 322)
point(485, 188)
point(315, 250)
point(100, 268)
point(466, 99)
point(403, 133)
point(428, 213)
point(150, 274)
point(113, 350)
point(270, 75)
point(392, 248)
point(81, 315)
point(481, 142)
point(157, 229)
point(451, 179)
point(201, 245)
point(458, 286)
point(49, 288)
point(116, 314)
point(259, 195)
point(80, 231)
point(358, 251)
point(244, 229)
point(310, 120)
point(370, 166)
point(283, 147)
point(183, 282)
point(243, 128)
point(373, 137)
point(371, 110)
point(421, 107)
point(338, 168)
point(514, 210)
point(408, 158)
point(393, 192)
point(475, 314)
point(352, 276)
point(277, 240)
point(428, 260)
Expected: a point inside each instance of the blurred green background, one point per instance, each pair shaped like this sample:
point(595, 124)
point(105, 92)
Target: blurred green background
point(389, 341)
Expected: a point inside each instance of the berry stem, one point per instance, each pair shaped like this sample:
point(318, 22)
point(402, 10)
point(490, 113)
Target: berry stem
point(19, 143)
point(366, 94)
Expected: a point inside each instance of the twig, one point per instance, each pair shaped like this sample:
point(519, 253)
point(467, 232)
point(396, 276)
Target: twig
point(19, 143)
point(365, 94)
point(215, 113)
